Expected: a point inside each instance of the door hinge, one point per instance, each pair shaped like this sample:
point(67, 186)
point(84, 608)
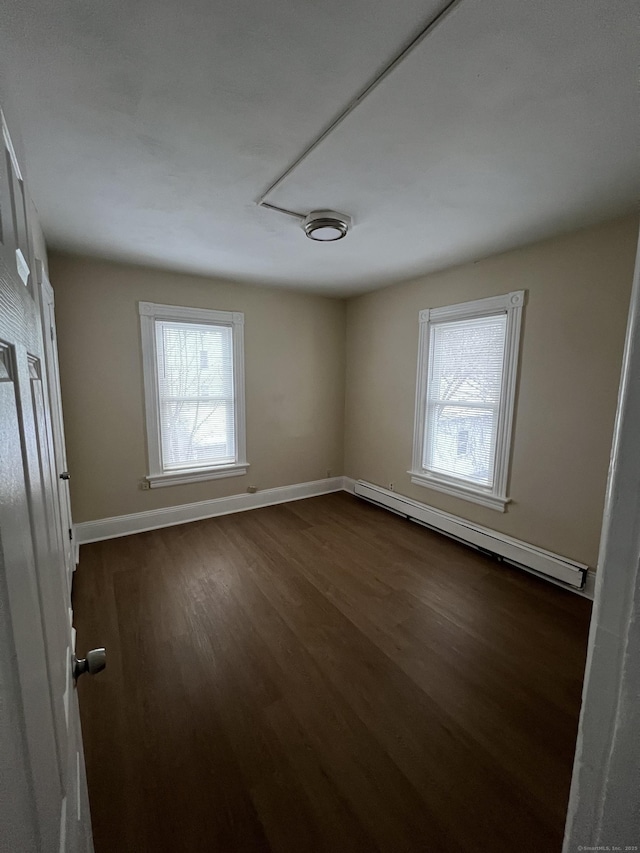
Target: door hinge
point(71, 534)
point(53, 334)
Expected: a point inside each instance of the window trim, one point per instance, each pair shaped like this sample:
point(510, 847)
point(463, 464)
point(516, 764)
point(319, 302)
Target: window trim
point(494, 497)
point(149, 313)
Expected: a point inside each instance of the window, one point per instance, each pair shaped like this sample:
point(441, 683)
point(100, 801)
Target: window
point(193, 363)
point(467, 366)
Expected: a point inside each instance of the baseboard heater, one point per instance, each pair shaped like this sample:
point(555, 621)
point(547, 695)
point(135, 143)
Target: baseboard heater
point(514, 551)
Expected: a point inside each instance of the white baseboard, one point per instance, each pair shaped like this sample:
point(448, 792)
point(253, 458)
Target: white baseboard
point(589, 588)
point(349, 485)
point(560, 570)
point(551, 567)
point(139, 522)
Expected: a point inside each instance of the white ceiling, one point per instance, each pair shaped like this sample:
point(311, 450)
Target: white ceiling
point(150, 129)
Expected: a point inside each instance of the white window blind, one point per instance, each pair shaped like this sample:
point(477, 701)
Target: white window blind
point(193, 361)
point(195, 394)
point(463, 398)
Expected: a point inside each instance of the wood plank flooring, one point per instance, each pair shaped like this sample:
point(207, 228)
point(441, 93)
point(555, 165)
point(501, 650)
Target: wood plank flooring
point(324, 676)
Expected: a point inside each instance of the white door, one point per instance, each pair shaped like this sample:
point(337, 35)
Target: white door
point(47, 310)
point(43, 803)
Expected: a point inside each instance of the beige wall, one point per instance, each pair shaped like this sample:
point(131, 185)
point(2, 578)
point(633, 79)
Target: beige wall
point(294, 367)
point(578, 289)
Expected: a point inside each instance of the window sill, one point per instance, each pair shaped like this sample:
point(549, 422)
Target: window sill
point(458, 490)
point(179, 478)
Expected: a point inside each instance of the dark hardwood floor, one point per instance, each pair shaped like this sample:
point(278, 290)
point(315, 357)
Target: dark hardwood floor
point(324, 676)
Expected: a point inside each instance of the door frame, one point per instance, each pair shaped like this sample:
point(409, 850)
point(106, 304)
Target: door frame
point(46, 297)
point(603, 809)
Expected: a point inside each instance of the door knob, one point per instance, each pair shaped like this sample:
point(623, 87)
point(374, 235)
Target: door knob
point(95, 662)
point(65, 475)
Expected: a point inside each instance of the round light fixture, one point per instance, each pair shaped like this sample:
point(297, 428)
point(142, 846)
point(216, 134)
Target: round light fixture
point(326, 226)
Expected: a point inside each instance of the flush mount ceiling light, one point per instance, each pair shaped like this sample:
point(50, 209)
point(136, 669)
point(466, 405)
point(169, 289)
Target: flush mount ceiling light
point(326, 226)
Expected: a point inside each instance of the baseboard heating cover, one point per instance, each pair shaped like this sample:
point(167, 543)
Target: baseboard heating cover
point(512, 550)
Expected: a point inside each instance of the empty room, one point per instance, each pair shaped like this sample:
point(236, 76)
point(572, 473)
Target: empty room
point(320, 396)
